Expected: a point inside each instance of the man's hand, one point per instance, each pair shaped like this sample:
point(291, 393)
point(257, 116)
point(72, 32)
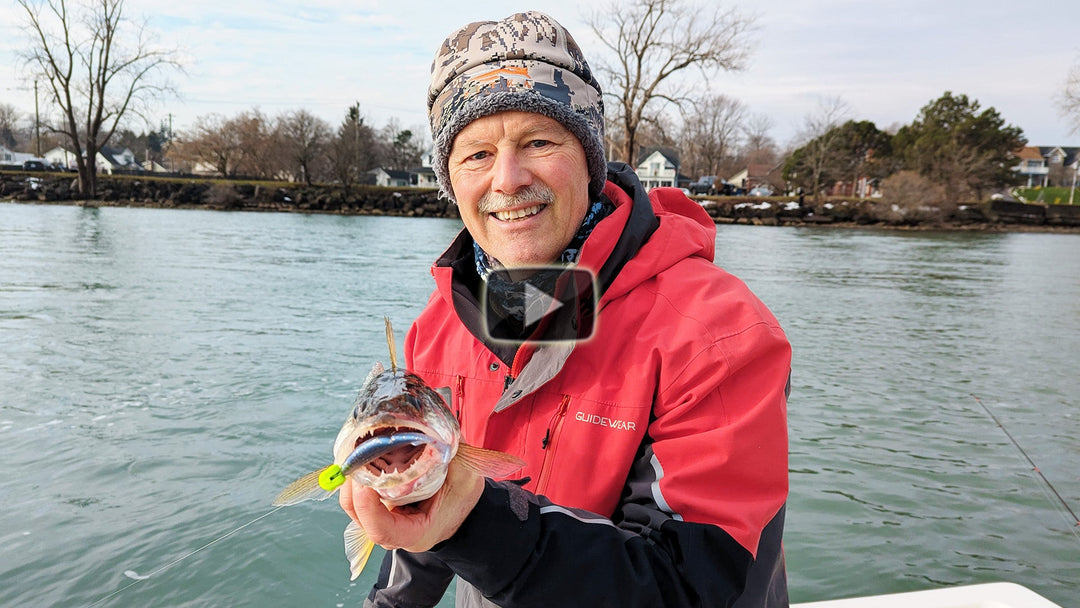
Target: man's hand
point(417, 527)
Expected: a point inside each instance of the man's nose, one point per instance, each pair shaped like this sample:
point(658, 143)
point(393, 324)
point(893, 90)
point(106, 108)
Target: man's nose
point(510, 174)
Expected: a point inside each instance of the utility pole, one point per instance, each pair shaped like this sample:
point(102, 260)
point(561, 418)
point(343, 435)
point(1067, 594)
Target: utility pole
point(37, 120)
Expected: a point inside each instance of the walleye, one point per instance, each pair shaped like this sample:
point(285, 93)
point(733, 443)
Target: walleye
point(398, 439)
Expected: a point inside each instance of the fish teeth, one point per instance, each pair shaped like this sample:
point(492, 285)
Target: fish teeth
point(515, 214)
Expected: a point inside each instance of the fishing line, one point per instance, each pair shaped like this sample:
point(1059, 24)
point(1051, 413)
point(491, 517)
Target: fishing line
point(141, 577)
point(1075, 523)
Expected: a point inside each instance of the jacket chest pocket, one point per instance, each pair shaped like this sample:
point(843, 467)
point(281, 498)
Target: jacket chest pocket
point(550, 443)
point(587, 449)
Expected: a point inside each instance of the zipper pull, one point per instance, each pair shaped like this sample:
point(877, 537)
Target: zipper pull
point(507, 381)
point(547, 440)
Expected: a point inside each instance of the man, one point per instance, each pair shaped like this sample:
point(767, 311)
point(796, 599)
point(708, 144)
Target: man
point(656, 449)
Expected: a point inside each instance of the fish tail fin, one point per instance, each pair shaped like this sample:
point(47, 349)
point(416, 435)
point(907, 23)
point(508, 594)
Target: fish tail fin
point(305, 488)
point(390, 343)
point(357, 548)
point(489, 463)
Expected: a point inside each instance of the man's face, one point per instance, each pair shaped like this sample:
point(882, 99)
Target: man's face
point(522, 186)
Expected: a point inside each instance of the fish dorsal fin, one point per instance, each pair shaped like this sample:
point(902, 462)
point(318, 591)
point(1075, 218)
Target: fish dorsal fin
point(375, 371)
point(391, 345)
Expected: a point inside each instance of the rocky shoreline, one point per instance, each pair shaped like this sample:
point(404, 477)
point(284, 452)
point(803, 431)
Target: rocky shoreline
point(222, 195)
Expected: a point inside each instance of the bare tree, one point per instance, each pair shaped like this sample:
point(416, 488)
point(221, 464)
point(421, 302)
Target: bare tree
point(822, 137)
point(260, 145)
point(305, 136)
point(212, 143)
point(653, 40)
point(759, 148)
point(1070, 97)
point(98, 69)
point(710, 134)
point(9, 126)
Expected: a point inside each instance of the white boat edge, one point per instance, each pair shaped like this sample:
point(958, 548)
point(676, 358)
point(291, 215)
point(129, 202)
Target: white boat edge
point(986, 595)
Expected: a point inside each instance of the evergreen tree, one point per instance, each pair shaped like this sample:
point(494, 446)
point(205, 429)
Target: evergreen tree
point(956, 146)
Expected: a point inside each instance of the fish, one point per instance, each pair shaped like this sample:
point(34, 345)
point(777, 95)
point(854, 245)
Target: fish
point(398, 439)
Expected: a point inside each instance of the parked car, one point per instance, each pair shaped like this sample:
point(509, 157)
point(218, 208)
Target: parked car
point(761, 191)
point(703, 185)
point(35, 165)
point(727, 189)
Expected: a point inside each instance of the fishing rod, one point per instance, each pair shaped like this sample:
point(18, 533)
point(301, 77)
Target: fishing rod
point(141, 577)
point(1034, 467)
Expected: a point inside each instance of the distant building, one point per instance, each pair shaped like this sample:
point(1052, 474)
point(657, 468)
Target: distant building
point(1043, 166)
point(757, 175)
point(658, 167)
point(10, 158)
point(111, 159)
point(391, 177)
point(61, 157)
point(423, 177)
point(1032, 167)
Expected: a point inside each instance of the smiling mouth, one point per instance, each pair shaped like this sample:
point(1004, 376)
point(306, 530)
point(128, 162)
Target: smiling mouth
point(514, 215)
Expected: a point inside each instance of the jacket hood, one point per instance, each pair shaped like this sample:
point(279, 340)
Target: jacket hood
point(678, 229)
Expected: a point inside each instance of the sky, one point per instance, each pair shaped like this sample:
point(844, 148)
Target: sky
point(884, 59)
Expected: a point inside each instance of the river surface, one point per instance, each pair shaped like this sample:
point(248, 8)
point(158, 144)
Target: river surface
point(164, 373)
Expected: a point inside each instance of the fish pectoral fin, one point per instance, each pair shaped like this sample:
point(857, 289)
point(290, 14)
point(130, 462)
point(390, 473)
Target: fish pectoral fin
point(305, 488)
point(489, 463)
point(357, 548)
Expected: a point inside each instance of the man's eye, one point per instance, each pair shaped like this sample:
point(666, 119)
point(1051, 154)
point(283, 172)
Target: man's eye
point(538, 143)
point(481, 155)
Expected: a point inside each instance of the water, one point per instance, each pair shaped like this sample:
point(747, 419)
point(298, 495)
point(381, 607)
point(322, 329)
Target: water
point(164, 373)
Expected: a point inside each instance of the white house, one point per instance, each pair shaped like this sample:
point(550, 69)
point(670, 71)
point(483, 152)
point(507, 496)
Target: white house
point(658, 169)
point(1032, 166)
point(424, 177)
point(110, 159)
point(62, 157)
point(391, 177)
point(10, 157)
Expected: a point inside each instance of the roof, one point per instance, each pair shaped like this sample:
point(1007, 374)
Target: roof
point(1029, 153)
point(393, 173)
point(670, 155)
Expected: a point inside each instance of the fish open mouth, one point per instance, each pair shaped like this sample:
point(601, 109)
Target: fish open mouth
point(397, 460)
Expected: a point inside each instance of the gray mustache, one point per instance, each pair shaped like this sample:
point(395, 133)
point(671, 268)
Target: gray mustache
point(497, 201)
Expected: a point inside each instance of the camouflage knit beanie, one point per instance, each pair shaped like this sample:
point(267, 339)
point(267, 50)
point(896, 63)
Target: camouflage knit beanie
point(526, 62)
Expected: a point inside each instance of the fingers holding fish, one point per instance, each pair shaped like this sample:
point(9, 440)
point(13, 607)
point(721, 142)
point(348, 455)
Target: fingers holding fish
point(419, 526)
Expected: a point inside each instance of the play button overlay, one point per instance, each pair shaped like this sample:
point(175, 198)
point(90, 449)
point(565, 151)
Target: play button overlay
point(539, 304)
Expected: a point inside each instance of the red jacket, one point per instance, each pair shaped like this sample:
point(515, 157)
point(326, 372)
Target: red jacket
point(669, 424)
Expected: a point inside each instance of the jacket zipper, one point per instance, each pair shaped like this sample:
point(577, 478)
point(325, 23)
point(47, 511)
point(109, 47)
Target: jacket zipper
point(515, 367)
point(459, 399)
point(548, 442)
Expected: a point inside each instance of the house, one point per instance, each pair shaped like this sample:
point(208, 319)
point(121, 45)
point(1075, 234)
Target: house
point(424, 177)
point(755, 175)
point(658, 167)
point(7, 157)
point(61, 157)
point(151, 166)
point(1032, 167)
point(1062, 164)
point(391, 177)
point(111, 159)
point(14, 159)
